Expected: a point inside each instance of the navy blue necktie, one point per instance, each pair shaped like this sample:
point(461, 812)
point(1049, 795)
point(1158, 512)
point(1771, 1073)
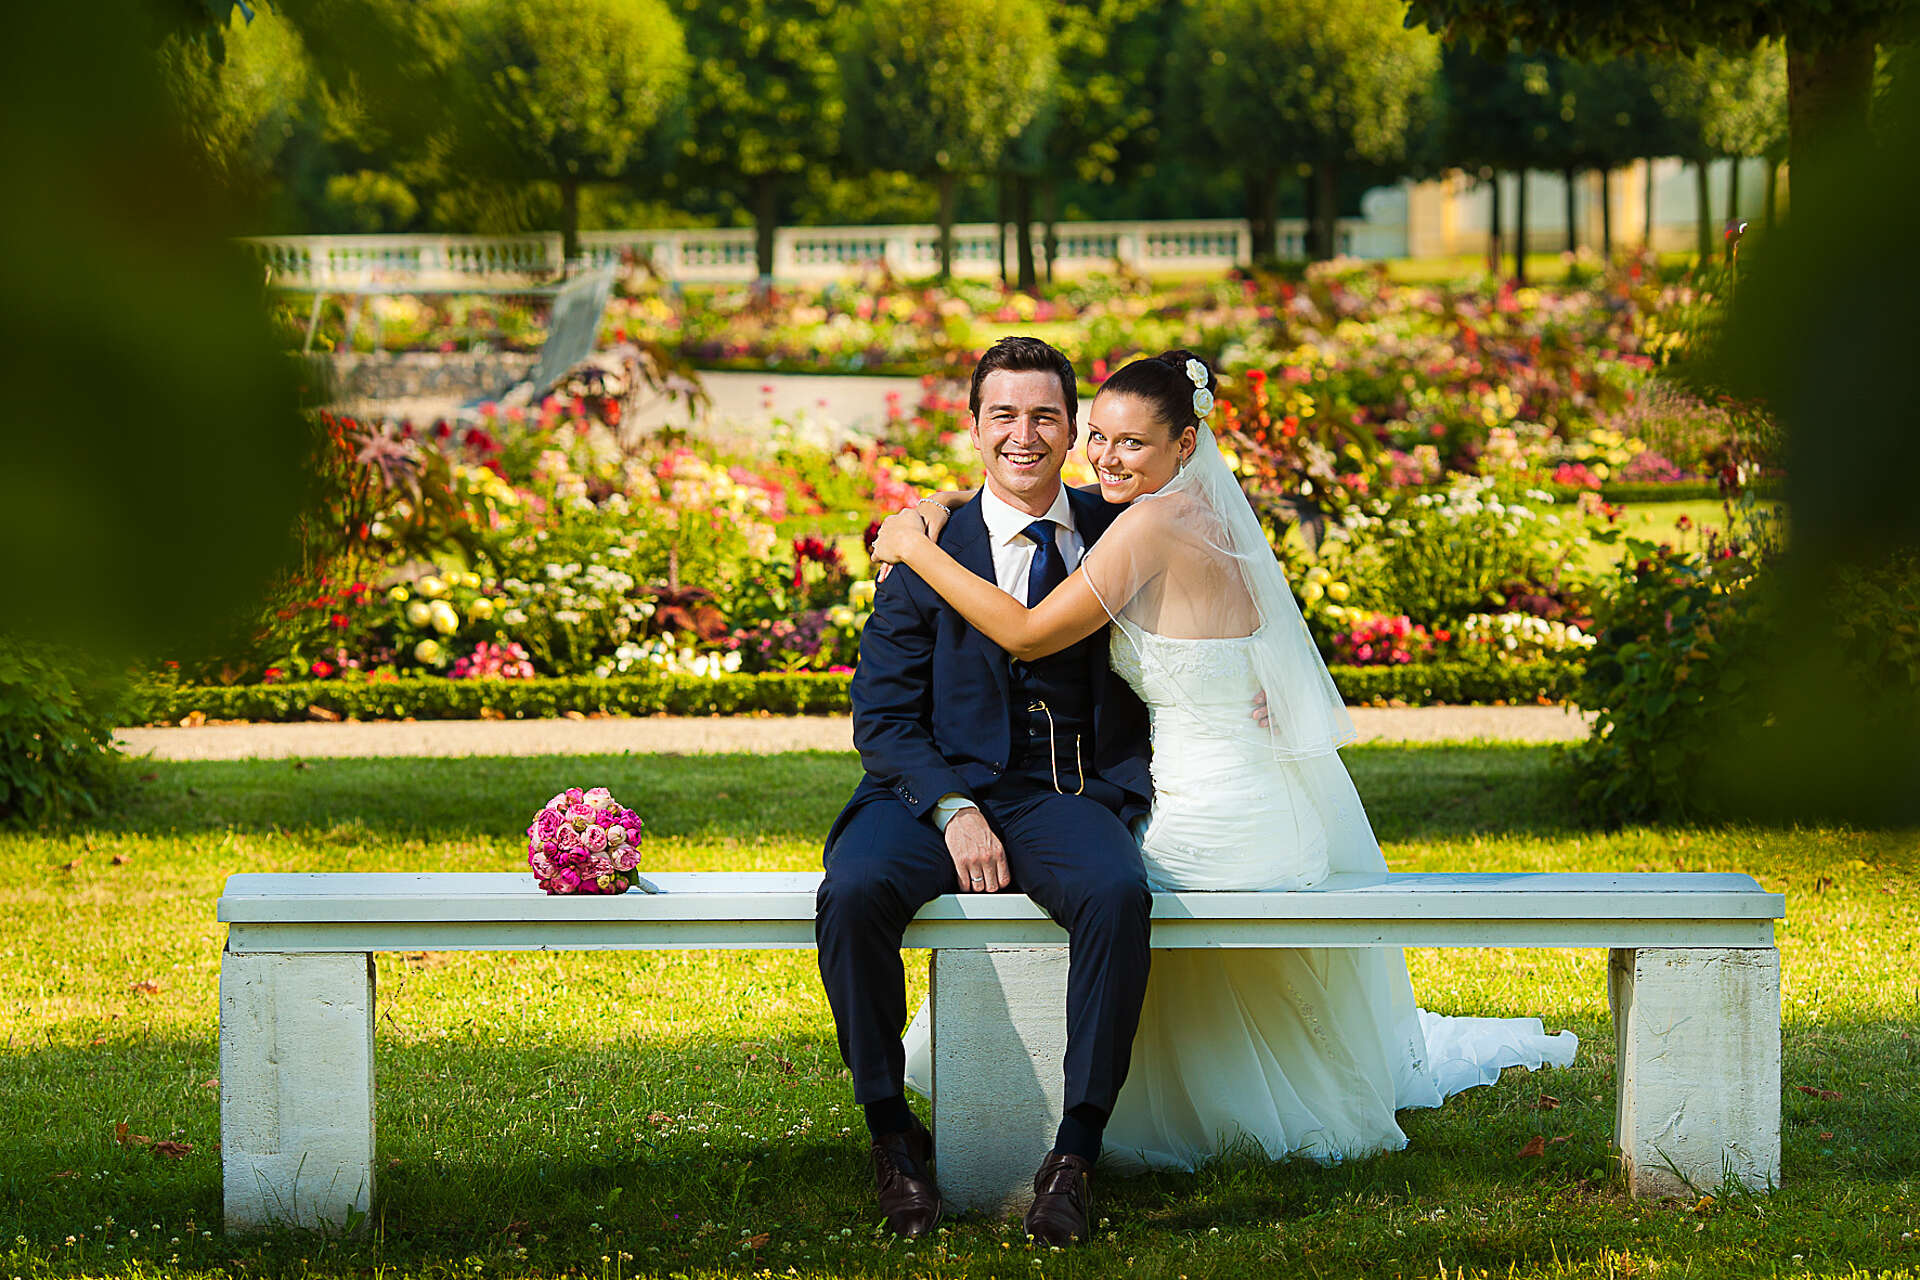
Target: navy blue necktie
point(1049, 568)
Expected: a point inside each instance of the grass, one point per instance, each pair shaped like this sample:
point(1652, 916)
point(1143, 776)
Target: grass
point(686, 1114)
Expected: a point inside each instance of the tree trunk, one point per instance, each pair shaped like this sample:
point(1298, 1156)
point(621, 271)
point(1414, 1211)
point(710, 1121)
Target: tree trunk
point(947, 182)
point(1773, 189)
point(1647, 239)
point(1023, 232)
point(569, 223)
point(1050, 215)
point(1568, 176)
point(1829, 91)
point(766, 220)
point(1733, 205)
point(1326, 209)
point(1606, 213)
point(1495, 251)
point(1702, 203)
point(1000, 226)
point(1520, 233)
point(1262, 226)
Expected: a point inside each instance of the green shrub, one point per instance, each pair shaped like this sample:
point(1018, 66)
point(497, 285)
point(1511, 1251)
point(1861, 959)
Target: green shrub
point(1720, 694)
point(56, 736)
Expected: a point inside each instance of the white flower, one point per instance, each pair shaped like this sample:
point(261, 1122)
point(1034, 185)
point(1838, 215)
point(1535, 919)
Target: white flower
point(1202, 402)
point(1197, 373)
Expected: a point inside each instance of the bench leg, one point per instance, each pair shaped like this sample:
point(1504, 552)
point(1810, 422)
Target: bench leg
point(999, 1037)
point(296, 1088)
point(1698, 1037)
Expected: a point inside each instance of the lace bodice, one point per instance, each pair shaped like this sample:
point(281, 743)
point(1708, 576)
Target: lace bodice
point(1173, 673)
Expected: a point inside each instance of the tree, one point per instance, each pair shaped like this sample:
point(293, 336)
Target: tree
point(1501, 114)
point(1745, 112)
point(1613, 119)
point(238, 98)
point(1102, 126)
point(1322, 83)
point(940, 90)
point(1829, 43)
point(764, 100)
point(564, 91)
point(1682, 86)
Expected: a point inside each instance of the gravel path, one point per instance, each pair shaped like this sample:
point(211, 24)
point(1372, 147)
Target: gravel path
point(696, 735)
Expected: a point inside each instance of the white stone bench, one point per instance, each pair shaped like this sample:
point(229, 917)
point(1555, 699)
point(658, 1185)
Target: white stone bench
point(1693, 980)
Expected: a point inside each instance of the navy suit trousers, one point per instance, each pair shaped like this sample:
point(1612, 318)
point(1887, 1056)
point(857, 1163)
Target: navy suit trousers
point(1072, 855)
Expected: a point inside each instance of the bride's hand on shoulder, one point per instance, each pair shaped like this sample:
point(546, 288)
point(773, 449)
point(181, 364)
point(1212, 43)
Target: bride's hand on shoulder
point(900, 533)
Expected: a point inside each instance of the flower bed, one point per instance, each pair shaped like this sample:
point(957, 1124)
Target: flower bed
point(1438, 469)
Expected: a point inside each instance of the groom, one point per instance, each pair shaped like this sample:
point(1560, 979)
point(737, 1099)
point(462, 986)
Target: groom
point(983, 775)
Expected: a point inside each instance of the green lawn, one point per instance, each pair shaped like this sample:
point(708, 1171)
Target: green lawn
point(669, 1114)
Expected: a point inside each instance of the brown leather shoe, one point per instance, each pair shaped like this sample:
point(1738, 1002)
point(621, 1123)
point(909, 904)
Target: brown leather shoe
point(1062, 1199)
point(903, 1181)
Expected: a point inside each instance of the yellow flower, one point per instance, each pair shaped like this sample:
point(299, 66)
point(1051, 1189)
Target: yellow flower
point(432, 587)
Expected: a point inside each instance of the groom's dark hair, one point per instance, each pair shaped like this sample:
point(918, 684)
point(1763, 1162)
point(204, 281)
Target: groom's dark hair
point(1021, 355)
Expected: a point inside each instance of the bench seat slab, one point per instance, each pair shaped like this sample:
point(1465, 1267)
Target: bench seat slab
point(296, 1088)
point(1697, 1031)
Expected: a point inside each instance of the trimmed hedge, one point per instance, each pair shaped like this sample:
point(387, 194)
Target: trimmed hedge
point(438, 698)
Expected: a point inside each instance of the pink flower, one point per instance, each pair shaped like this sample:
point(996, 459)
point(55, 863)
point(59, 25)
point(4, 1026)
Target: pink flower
point(579, 815)
point(625, 858)
point(598, 798)
point(568, 880)
point(546, 822)
point(542, 865)
point(594, 840)
point(574, 795)
point(568, 839)
point(599, 864)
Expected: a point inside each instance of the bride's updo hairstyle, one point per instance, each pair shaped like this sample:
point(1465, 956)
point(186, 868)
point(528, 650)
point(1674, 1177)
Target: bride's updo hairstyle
point(1163, 382)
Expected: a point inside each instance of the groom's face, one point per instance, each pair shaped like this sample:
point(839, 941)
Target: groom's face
point(1023, 434)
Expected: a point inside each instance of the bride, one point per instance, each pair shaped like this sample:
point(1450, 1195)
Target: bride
point(1302, 1051)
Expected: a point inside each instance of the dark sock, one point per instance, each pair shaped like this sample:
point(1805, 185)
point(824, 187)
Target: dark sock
point(889, 1115)
point(1080, 1131)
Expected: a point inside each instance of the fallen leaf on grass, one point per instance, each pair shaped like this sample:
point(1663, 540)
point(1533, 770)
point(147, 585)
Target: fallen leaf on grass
point(659, 1117)
point(1565, 1137)
point(393, 1162)
point(759, 1241)
point(213, 1083)
point(1825, 1095)
point(67, 1173)
point(125, 1136)
point(122, 859)
point(1536, 1145)
point(69, 866)
point(1547, 1102)
point(173, 1150)
point(1827, 1136)
point(147, 987)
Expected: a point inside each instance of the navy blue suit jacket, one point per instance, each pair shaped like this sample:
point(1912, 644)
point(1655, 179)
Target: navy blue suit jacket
point(932, 707)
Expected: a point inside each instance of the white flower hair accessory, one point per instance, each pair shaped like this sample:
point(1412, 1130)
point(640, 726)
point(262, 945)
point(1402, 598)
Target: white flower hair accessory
point(1202, 398)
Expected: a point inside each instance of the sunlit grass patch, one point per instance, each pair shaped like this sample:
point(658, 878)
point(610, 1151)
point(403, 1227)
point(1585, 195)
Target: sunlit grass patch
point(689, 1109)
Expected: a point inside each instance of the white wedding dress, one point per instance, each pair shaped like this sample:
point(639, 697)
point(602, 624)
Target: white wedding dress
point(1305, 1051)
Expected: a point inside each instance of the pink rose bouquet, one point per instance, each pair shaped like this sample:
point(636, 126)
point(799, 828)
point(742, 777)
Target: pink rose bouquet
point(584, 842)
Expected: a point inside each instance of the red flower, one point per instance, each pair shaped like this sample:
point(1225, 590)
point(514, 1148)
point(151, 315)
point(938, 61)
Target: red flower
point(322, 668)
point(1256, 376)
point(269, 675)
point(340, 621)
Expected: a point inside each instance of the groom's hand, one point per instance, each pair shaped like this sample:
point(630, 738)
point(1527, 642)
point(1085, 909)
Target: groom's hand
point(978, 857)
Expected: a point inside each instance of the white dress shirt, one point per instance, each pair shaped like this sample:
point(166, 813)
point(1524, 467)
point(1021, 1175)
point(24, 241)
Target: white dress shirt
point(1012, 561)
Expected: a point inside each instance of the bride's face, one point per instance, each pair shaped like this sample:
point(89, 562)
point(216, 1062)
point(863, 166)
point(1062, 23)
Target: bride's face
point(1131, 451)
